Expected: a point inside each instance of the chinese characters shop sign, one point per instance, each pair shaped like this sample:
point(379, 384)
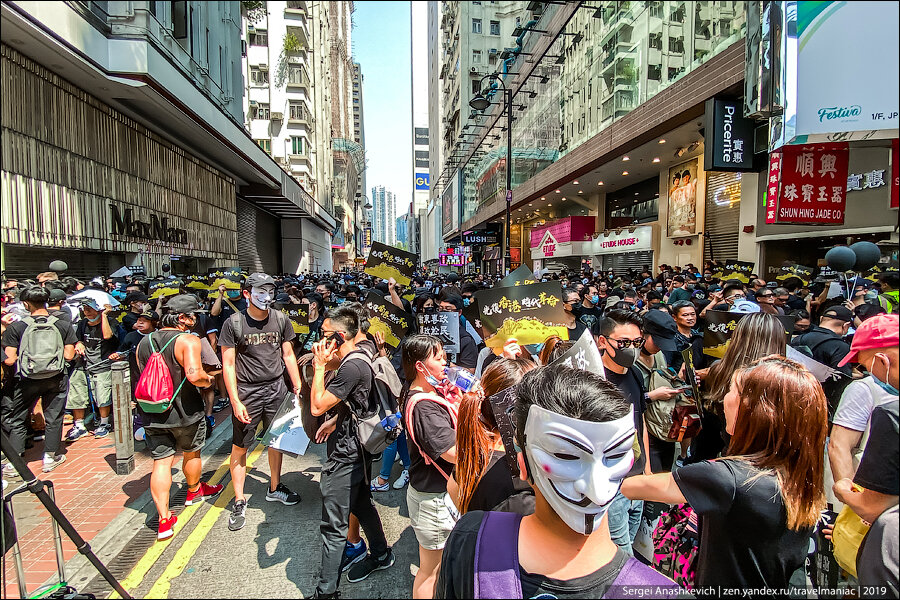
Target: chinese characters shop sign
point(808, 184)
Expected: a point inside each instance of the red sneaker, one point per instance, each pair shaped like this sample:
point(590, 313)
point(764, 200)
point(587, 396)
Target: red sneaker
point(166, 527)
point(204, 491)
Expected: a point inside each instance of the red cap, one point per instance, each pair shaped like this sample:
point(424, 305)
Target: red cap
point(880, 331)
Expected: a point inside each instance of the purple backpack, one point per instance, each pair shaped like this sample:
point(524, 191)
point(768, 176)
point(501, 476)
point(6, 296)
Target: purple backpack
point(497, 563)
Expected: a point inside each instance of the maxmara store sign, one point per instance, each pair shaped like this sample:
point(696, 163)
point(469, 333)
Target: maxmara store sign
point(638, 239)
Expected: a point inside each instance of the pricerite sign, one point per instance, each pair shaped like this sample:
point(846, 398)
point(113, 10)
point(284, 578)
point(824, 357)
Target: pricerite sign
point(729, 137)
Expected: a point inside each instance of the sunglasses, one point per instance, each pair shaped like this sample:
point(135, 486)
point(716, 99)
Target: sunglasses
point(625, 343)
point(764, 295)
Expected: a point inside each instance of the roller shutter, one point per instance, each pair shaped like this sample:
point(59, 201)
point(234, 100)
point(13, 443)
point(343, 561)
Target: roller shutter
point(25, 262)
point(620, 263)
point(259, 239)
point(723, 215)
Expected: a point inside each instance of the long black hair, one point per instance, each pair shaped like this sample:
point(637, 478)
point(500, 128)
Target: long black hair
point(413, 349)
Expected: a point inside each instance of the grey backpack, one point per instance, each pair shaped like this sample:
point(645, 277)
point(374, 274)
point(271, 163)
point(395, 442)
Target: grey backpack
point(41, 351)
point(380, 425)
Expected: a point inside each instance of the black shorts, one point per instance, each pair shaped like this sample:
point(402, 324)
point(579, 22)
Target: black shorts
point(262, 401)
point(163, 442)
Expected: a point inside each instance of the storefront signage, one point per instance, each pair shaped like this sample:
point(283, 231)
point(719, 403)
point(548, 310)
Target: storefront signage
point(627, 240)
point(422, 181)
point(729, 137)
point(895, 173)
point(864, 181)
point(480, 238)
point(454, 260)
point(157, 229)
point(807, 184)
point(548, 245)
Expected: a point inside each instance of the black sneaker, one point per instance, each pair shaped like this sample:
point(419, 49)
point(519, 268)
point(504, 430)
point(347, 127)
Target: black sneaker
point(220, 404)
point(369, 565)
point(238, 515)
point(284, 495)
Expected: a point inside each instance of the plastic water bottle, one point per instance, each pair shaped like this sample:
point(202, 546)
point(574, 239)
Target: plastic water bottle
point(391, 421)
point(461, 378)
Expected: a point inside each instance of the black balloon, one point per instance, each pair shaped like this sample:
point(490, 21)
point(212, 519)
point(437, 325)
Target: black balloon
point(841, 259)
point(867, 255)
point(58, 266)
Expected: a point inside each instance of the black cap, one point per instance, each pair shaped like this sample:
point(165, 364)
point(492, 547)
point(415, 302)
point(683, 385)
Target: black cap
point(57, 295)
point(259, 280)
point(184, 304)
point(453, 277)
point(150, 315)
point(135, 297)
point(841, 313)
point(661, 326)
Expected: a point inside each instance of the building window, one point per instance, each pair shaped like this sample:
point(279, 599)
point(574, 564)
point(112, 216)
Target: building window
point(295, 75)
point(259, 38)
point(261, 112)
point(298, 111)
point(476, 86)
point(476, 57)
point(179, 20)
point(259, 76)
point(495, 27)
point(265, 144)
point(297, 145)
point(476, 25)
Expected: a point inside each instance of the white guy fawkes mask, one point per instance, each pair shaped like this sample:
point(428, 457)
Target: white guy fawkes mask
point(578, 465)
point(262, 297)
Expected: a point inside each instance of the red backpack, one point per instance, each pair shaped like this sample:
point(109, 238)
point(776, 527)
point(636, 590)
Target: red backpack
point(154, 389)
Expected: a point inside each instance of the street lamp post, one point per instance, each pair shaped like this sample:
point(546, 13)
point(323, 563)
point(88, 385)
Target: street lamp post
point(480, 102)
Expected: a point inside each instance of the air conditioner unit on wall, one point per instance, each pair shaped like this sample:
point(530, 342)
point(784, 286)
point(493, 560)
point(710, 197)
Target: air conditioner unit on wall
point(473, 70)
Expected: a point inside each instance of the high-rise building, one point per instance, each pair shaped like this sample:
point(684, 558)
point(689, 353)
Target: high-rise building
point(384, 209)
point(359, 136)
point(147, 93)
point(402, 232)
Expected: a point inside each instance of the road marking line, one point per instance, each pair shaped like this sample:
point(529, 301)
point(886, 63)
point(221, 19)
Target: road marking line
point(160, 589)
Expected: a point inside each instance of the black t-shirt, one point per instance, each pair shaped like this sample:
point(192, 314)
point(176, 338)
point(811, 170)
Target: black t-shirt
point(129, 347)
point(829, 349)
point(61, 314)
point(879, 467)
point(258, 357)
point(499, 490)
point(468, 350)
point(97, 349)
point(744, 539)
point(433, 430)
point(129, 320)
point(219, 320)
point(457, 573)
point(630, 384)
point(12, 336)
point(576, 332)
point(352, 383)
point(590, 317)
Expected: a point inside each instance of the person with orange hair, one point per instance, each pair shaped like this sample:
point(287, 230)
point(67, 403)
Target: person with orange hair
point(759, 503)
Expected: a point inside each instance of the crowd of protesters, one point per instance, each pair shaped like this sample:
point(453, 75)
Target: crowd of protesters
point(776, 447)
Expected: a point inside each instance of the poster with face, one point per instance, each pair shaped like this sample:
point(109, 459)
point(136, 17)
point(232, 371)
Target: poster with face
point(527, 313)
point(297, 314)
point(521, 276)
point(720, 328)
point(386, 261)
point(442, 325)
point(387, 319)
point(583, 355)
point(736, 269)
point(682, 219)
point(166, 287)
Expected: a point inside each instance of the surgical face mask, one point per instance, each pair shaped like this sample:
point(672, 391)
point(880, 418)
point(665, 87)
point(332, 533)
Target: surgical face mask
point(659, 288)
point(233, 294)
point(882, 383)
point(595, 299)
point(578, 465)
point(871, 295)
point(624, 357)
point(262, 297)
point(431, 379)
point(466, 301)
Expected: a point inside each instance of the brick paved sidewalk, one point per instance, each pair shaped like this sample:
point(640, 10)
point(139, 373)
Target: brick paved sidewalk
point(88, 492)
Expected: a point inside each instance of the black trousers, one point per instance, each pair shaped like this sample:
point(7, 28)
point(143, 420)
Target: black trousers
point(345, 489)
point(662, 454)
point(17, 407)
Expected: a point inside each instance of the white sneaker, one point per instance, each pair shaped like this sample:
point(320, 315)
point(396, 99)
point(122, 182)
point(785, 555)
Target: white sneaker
point(402, 480)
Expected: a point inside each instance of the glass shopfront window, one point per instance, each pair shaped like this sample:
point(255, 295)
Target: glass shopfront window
point(602, 69)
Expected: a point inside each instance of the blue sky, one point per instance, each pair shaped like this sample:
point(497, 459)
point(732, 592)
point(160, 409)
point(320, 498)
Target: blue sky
point(381, 45)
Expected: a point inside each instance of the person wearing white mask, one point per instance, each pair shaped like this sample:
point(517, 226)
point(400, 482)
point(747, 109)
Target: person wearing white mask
point(575, 445)
point(256, 349)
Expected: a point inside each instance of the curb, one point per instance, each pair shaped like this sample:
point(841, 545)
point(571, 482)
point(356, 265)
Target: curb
point(110, 542)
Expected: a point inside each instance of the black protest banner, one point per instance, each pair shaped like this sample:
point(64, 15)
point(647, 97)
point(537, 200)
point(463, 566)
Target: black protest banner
point(874, 272)
point(442, 325)
point(297, 314)
point(521, 276)
point(231, 277)
point(795, 271)
point(387, 319)
point(736, 269)
point(503, 405)
point(197, 282)
point(583, 355)
point(386, 261)
point(527, 313)
point(720, 327)
point(473, 316)
point(166, 287)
